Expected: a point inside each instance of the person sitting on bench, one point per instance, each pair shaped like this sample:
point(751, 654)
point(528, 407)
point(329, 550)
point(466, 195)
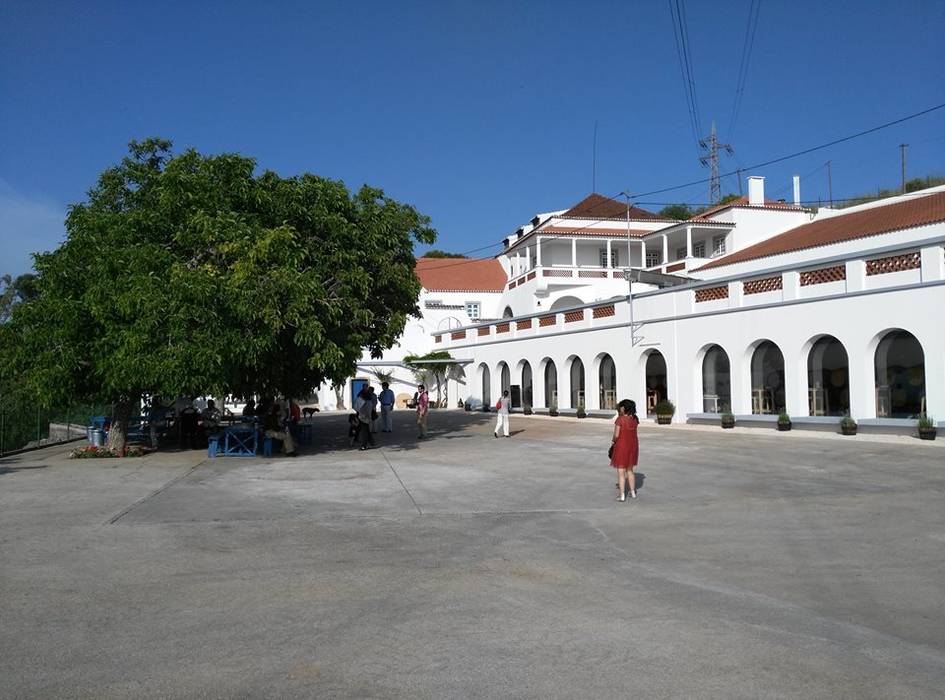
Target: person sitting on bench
point(274, 430)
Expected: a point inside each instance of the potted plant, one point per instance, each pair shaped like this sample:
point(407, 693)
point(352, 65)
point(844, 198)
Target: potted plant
point(527, 409)
point(728, 419)
point(784, 421)
point(847, 425)
point(927, 429)
point(553, 409)
point(581, 413)
point(664, 412)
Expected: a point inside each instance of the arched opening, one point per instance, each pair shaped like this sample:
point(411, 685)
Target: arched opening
point(526, 384)
point(656, 386)
point(900, 376)
point(505, 380)
point(566, 303)
point(767, 379)
point(577, 383)
point(716, 381)
point(507, 312)
point(607, 380)
point(486, 384)
point(551, 385)
point(828, 378)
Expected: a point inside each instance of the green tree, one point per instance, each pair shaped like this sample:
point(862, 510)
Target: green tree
point(187, 275)
point(434, 253)
point(15, 290)
point(436, 364)
point(680, 212)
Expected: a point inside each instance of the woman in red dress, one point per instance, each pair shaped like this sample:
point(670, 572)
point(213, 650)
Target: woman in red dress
point(626, 448)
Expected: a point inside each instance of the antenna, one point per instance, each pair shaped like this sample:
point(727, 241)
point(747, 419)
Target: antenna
point(902, 158)
point(711, 161)
point(594, 169)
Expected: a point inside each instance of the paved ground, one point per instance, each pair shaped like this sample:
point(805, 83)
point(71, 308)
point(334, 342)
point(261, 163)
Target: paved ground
point(753, 565)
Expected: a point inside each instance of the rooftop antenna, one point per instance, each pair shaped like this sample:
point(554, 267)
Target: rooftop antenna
point(711, 160)
point(594, 169)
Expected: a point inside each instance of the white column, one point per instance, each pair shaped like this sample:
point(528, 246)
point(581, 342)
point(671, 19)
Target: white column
point(538, 252)
point(689, 241)
point(642, 253)
point(608, 254)
point(574, 252)
point(665, 249)
point(518, 263)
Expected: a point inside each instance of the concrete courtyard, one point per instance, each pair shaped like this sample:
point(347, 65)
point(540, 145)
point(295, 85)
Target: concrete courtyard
point(753, 565)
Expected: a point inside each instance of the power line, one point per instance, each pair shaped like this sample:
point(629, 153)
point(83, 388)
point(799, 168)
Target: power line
point(753, 11)
point(685, 67)
point(801, 153)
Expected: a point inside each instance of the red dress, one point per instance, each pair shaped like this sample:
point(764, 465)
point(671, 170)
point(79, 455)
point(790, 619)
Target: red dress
point(627, 447)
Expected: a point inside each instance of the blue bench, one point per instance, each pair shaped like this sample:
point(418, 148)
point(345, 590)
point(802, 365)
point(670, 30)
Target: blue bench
point(240, 441)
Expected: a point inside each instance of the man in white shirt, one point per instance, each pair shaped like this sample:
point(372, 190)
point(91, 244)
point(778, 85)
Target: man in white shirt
point(502, 410)
point(387, 405)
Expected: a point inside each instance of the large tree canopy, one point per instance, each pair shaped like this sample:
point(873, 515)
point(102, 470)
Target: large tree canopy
point(188, 275)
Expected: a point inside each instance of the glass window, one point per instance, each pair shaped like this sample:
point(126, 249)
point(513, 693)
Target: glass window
point(473, 309)
point(718, 245)
point(698, 249)
point(681, 253)
point(614, 258)
point(652, 258)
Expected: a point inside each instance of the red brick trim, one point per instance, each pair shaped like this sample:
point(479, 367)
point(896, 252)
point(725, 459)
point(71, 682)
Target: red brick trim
point(676, 268)
point(836, 273)
point(767, 284)
point(523, 325)
point(547, 321)
point(458, 335)
point(502, 328)
point(438, 339)
point(572, 316)
point(604, 311)
point(530, 276)
point(894, 263)
point(711, 293)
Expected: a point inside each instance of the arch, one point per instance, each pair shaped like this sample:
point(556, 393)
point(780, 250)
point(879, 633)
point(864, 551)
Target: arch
point(507, 312)
point(767, 378)
point(551, 384)
point(899, 366)
point(657, 386)
point(448, 323)
point(525, 372)
point(828, 377)
point(576, 376)
point(504, 375)
point(566, 303)
point(485, 384)
point(716, 380)
point(607, 383)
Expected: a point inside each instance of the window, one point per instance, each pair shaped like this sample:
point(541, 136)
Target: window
point(473, 309)
point(681, 253)
point(718, 245)
point(698, 249)
point(652, 258)
point(614, 258)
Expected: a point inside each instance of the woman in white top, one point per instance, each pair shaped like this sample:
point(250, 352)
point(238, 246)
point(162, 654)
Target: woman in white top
point(502, 409)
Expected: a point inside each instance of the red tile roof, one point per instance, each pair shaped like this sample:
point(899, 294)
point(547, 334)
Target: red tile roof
point(918, 211)
point(575, 231)
point(461, 275)
point(597, 206)
point(743, 202)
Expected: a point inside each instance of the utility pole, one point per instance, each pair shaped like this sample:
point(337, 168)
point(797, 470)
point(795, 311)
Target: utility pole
point(902, 159)
point(829, 184)
point(711, 145)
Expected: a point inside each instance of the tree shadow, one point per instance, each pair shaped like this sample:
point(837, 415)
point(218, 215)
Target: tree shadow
point(10, 470)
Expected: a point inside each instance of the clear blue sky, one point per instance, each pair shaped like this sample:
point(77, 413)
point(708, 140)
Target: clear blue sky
point(479, 113)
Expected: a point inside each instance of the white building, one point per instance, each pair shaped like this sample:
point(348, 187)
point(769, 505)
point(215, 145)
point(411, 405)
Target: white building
point(780, 308)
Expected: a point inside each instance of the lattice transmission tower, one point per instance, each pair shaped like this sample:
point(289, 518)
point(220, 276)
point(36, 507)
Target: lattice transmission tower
point(712, 147)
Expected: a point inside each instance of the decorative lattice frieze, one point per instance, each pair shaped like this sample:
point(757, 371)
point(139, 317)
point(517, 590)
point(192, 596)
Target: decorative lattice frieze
point(523, 325)
point(711, 293)
point(604, 311)
point(572, 316)
point(513, 284)
point(502, 328)
point(530, 276)
point(592, 273)
point(768, 284)
point(894, 263)
point(556, 273)
point(458, 335)
point(547, 321)
point(836, 273)
point(438, 339)
point(676, 267)
point(483, 331)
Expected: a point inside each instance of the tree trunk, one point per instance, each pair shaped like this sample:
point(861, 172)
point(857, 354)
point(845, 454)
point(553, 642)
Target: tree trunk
point(118, 432)
point(339, 397)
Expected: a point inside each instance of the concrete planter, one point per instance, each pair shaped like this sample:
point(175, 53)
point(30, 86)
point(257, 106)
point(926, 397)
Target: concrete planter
point(927, 433)
point(664, 420)
point(848, 429)
point(784, 427)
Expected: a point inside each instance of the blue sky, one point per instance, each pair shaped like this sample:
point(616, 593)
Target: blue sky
point(480, 114)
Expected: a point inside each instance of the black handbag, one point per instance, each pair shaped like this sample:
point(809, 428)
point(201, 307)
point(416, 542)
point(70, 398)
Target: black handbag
point(610, 452)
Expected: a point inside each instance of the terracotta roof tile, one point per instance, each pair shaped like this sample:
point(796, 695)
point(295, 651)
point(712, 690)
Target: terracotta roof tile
point(577, 231)
point(596, 206)
point(743, 202)
point(919, 211)
point(456, 275)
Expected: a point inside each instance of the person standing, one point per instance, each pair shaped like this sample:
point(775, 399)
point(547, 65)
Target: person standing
point(502, 413)
point(372, 397)
point(423, 407)
point(626, 448)
point(387, 405)
point(364, 407)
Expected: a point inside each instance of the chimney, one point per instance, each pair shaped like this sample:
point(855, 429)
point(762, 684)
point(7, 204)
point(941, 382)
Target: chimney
point(756, 191)
point(797, 190)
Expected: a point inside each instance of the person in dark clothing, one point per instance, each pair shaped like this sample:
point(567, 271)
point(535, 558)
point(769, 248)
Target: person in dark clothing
point(249, 410)
point(364, 407)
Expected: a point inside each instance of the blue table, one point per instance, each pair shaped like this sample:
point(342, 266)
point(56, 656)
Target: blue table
point(240, 441)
